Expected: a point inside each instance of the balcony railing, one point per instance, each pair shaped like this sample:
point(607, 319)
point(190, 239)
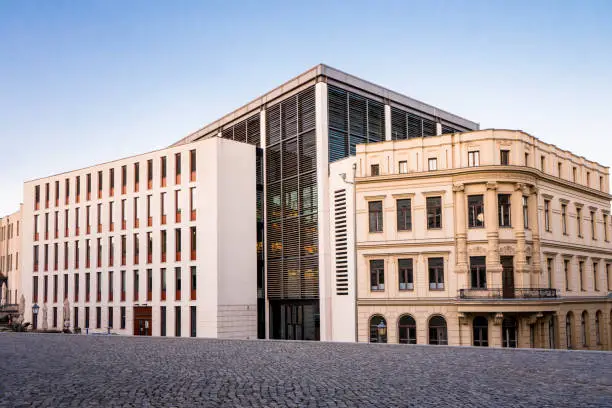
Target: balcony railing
point(500, 293)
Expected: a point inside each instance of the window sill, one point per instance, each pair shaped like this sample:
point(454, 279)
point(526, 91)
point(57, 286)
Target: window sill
point(376, 290)
point(476, 227)
point(406, 290)
point(404, 230)
point(505, 226)
point(376, 232)
point(434, 228)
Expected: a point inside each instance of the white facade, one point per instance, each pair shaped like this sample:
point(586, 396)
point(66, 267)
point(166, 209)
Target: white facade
point(220, 192)
point(10, 261)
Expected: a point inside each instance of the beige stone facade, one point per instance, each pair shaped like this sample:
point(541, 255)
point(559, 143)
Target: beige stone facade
point(505, 237)
point(10, 264)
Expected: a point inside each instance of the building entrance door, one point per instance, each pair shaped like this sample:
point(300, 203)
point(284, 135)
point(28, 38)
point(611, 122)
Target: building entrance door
point(507, 276)
point(143, 320)
point(294, 320)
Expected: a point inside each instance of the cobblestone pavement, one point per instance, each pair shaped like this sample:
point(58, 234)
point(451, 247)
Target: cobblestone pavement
point(95, 371)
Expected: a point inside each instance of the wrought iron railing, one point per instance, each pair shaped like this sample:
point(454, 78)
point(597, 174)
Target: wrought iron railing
point(500, 293)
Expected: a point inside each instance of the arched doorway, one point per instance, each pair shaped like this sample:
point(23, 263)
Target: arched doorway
point(378, 329)
point(480, 327)
point(407, 330)
point(509, 332)
point(437, 331)
point(584, 329)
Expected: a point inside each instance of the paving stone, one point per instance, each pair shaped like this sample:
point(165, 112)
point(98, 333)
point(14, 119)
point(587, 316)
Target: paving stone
point(96, 371)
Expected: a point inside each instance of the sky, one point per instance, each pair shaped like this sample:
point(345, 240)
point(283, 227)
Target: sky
point(86, 82)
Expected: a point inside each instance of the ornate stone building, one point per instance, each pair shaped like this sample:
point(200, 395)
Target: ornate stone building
point(488, 238)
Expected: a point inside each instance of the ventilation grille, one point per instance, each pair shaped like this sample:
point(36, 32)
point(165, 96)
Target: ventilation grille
point(407, 125)
point(353, 119)
point(341, 242)
point(291, 199)
point(247, 131)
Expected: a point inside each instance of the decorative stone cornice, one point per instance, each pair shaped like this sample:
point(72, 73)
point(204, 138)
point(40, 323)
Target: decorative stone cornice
point(458, 187)
point(491, 185)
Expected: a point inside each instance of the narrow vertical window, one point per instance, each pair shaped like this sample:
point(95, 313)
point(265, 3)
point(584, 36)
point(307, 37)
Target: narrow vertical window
point(65, 255)
point(78, 189)
point(66, 191)
point(123, 249)
point(593, 225)
point(57, 192)
point(111, 221)
point(405, 274)
point(149, 217)
point(110, 286)
point(375, 216)
point(136, 249)
point(579, 221)
point(123, 317)
point(559, 169)
point(47, 195)
point(476, 211)
point(403, 167)
point(87, 286)
point(177, 283)
point(149, 284)
point(123, 284)
point(503, 209)
point(193, 243)
point(432, 164)
point(574, 174)
point(99, 253)
point(192, 165)
point(163, 171)
point(162, 206)
point(136, 176)
point(542, 163)
point(404, 215)
point(434, 212)
point(76, 287)
point(177, 168)
point(111, 251)
point(581, 275)
point(605, 227)
point(193, 321)
point(177, 207)
point(564, 218)
point(136, 284)
point(546, 215)
point(177, 321)
point(36, 198)
point(123, 179)
point(111, 182)
point(192, 204)
point(100, 184)
point(377, 275)
point(474, 159)
point(595, 277)
point(88, 219)
point(549, 270)
point(374, 170)
point(177, 244)
point(436, 273)
point(136, 220)
point(149, 174)
point(163, 235)
point(193, 282)
point(162, 321)
point(504, 157)
point(123, 219)
point(163, 283)
point(99, 286)
point(149, 247)
point(88, 187)
point(99, 216)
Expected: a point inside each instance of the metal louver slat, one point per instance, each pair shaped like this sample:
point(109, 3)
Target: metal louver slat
point(254, 131)
point(240, 131)
point(398, 124)
point(429, 127)
point(273, 121)
point(376, 121)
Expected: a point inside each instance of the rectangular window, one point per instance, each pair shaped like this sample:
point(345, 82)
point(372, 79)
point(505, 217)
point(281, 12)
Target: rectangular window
point(177, 168)
point(110, 317)
point(149, 247)
point(47, 195)
point(149, 284)
point(55, 288)
point(375, 216)
point(504, 157)
point(436, 273)
point(111, 182)
point(76, 317)
point(162, 321)
point(88, 187)
point(593, 225)
point(136, 285)
point(87, 317)
point(192, 204)
point(163, 235)
point(575, 174)
point(605, 227)
point(588, 179)
point(193, 243)
point(35, 289)
point(66, 191)
point(163, 283)
point(546, 215)
point(76, 254)
point(579, 221)
point(434, 212)
point(111, 283)
point(123, 317)
point(87, 286)
point(177, 321)
point(177, 283)
point(432, 164)
point(99, 217)
point(76, 287)
point(149, 174)
point(123, 219)
point(54, 316)
point(65, 286)
point(123, 179)
point(192, 165)
point(123, 285)
point(163, 171)
point(99, 286)
point(405, 274)
point(193, 282)
point(36, 198)
point(193, 321)
point(177, 244)
point(503, 209)
point(403, 167)
point(136, 249)
point(111, 223)
point(542, 163)
point(374, 170)
point(377, 275)
point(57, 193)
point(77, 229)
point(177, 206)
point(45, 288)
point(581, 274)
point(595, 277)
point(149, 217)
point(476, 211)
point(136, 176)
point(100, 184)
point(404, 214)
point(162, 205)
point(474, 159)
point(559, 169)
point(136, 221)
point(566, 271)
point(78, 189)
point(99, 253)
point(549, 271)
point(564, 218)
point(98, 317)
point(609, 276)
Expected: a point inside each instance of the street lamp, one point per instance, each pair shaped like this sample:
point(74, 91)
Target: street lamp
point(381, 328)
point(35, 309)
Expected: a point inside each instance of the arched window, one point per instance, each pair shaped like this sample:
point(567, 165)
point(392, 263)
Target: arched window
point(509, 332)
point(584, 328)
point(569, 320)
point(481, 331)
point(378, 329)
point(598, 327)
point(437, 331)
point(407, 330)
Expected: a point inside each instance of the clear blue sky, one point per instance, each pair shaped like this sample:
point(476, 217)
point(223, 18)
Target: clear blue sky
point(84, 82)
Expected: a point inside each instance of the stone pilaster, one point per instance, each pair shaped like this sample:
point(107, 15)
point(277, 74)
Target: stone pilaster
point(460, 229)
point(493, 265)
point(518, 223)
point(534, 220)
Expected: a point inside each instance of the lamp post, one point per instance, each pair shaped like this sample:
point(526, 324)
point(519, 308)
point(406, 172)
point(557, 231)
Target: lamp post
point(35, 309)
point(381, 329)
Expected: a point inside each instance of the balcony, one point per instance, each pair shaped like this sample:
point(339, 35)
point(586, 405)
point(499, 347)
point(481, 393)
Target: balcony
point(508, 293)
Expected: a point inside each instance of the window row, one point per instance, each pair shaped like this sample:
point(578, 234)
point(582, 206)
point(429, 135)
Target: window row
point(9, 231)
point(51, 252)
point(103, 286)
point(575, 274)
point(405, 274)
point(110, 180)
point(100, 212)
point(407, 330)
point(579, 221)
point(7, 264)
point(585, 330)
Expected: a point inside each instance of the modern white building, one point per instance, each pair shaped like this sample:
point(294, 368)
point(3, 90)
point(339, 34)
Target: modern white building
point(261, 240)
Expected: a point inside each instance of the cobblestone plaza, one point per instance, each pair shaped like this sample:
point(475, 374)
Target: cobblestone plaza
point(82, 371)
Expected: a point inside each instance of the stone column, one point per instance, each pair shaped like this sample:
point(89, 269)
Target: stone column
point(518, 223)
point(460, 231)
point(534, 221)
point(494, 267)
